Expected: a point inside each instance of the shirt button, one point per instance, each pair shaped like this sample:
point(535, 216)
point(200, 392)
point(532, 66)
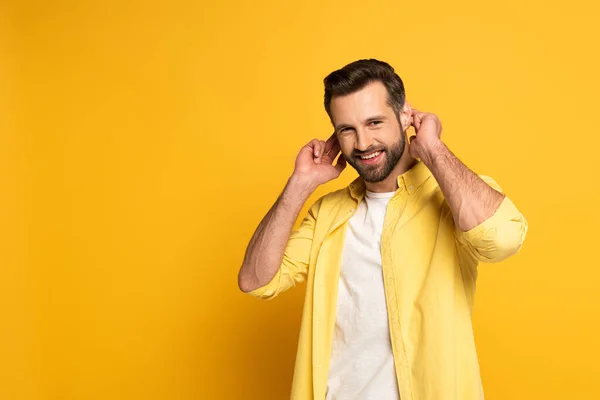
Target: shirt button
point(411, 187)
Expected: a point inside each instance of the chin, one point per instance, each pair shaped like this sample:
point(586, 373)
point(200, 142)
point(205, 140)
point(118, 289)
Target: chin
point(370, 179)
point(373, 177)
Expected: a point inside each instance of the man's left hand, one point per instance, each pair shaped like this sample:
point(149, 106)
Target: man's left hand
point(428, 130)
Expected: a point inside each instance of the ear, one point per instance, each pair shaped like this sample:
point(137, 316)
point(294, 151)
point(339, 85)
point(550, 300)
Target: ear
point(406, 116)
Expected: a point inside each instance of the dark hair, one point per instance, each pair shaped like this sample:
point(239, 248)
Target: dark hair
point(357, 75)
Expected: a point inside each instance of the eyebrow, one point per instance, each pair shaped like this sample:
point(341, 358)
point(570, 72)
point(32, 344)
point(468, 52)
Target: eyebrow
point(370, 119)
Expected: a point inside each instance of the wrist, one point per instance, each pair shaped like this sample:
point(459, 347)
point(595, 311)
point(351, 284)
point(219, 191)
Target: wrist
point(300, 187)
point(432, 151)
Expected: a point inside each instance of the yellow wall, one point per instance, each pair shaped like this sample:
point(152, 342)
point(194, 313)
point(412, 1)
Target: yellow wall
point(142, 142)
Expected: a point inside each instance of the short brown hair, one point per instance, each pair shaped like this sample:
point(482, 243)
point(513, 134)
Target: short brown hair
point(357, 75)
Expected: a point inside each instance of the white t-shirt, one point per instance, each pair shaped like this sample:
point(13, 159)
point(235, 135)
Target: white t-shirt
point(362, 363)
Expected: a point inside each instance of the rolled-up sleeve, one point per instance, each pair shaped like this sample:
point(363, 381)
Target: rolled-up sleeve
point(294, 266)
point(499, 236)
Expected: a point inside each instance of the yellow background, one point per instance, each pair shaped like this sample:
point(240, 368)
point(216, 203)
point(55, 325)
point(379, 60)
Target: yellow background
point(142, 142)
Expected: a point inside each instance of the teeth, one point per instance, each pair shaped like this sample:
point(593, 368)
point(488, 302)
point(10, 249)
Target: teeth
point(371, 155)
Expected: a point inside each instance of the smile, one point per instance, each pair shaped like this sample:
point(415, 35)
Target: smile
point(369, 156)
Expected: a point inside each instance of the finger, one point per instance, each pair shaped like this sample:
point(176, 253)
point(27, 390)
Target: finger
point(416, 122)
point(417, 117)
point(341, 164)
point(319, 149)
point(313, 145)
point(334, 151)
point(332, 139)
point(313, 148)
point(330, 142)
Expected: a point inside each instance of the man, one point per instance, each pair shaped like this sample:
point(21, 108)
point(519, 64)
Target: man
point(391, 260)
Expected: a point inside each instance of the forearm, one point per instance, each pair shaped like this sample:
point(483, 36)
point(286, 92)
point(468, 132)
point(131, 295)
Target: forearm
point(266, 248)
point(470, 199)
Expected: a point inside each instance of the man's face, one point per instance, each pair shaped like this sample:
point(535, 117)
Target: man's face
point(368, 131)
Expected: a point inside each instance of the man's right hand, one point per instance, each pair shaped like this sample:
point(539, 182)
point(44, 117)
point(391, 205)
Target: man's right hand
point(265, 252)
point(314, 163)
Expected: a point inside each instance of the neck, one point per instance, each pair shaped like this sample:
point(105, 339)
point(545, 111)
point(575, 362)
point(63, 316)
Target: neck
point(390, 184)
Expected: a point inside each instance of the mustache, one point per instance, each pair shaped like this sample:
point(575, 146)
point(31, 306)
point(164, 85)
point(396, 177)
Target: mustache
point(369, 150)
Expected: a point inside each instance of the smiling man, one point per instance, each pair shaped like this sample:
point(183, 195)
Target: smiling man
point(391, 260)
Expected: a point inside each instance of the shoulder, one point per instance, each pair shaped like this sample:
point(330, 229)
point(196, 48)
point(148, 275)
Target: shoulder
point(332, 201)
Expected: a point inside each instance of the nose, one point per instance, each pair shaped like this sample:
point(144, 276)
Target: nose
point(363, 140)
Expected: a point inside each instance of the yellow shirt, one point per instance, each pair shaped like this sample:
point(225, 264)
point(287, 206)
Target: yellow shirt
point(429, 271)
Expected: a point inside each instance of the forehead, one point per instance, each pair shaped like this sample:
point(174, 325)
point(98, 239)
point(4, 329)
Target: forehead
point(360, 105)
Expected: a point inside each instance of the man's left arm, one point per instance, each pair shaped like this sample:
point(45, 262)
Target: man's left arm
point(487, 223)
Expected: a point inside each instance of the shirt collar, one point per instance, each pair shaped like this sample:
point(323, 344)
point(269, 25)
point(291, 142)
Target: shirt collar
point(410, 180)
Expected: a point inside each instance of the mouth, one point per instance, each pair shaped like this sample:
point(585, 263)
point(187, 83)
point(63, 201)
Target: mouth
point(371, 158)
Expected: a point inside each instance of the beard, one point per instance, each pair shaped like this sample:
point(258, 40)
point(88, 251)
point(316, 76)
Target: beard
point(380, 171)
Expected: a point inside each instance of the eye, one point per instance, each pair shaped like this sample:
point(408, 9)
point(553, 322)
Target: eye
point(373, 123)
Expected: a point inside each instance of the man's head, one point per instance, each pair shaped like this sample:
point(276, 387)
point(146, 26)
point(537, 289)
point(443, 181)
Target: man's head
point(365, 101)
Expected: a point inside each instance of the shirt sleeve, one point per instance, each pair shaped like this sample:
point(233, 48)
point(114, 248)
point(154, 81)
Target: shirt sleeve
point(294, 266)
point(498, 237)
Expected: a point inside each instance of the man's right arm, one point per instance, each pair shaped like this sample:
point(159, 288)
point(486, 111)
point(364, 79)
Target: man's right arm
point(277, 258)
point(265, 252)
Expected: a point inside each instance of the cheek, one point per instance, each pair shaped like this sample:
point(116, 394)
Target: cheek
point(391, 135)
